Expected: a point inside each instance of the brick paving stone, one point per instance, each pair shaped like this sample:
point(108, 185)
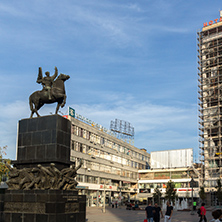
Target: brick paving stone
point(95, 214)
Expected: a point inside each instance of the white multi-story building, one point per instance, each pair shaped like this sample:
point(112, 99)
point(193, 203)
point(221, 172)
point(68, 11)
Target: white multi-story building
point(158, 178)
point(110, 165)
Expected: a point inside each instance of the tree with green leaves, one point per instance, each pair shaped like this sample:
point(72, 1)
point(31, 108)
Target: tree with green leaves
point(157, 195)
point(219, 191)
point(171, 193)
point(3, 168)
point(202, 193)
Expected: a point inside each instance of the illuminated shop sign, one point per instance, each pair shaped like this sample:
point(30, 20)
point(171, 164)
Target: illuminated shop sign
point(212, 22)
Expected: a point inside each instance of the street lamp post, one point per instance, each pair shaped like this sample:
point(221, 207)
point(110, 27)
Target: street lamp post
point(135, 190)
point(192, 183)
point(104, 200)
point(120, 188)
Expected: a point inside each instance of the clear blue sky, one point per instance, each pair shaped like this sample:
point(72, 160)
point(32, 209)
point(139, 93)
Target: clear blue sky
point(131, 60)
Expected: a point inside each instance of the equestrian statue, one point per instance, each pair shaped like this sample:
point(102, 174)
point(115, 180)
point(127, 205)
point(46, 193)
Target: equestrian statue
point(53, 91)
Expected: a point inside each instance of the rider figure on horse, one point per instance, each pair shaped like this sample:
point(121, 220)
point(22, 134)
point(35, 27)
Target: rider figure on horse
point(47, 81)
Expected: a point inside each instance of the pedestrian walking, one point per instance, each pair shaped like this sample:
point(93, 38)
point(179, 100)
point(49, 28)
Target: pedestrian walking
point(169, 212)
point(116, 204)
point(203, 213)
point(156, 213)
point(149, 212)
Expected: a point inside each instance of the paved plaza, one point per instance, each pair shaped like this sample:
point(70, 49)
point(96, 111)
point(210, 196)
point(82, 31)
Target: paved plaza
point(95, 214)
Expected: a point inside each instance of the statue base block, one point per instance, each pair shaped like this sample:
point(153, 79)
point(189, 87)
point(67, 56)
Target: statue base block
point(43, 140)
point(44, 206)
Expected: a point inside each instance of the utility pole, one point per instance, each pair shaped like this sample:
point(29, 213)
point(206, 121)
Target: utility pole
point(192, 183)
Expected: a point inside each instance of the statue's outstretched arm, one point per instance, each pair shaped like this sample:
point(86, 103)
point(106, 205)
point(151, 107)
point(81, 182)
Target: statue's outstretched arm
point(56, 73)
point(39, 79)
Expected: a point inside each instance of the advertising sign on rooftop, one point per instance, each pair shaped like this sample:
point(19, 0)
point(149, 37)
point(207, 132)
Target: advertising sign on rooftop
point(71, 112)
point(172, 158)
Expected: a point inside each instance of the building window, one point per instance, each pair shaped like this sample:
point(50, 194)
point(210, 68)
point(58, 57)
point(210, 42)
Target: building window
point(101, 154)
point(104, 181)
point(95, 166)
point(114, 170)
point(80, 147)
point(102, 140)
point(79, 177)
point(88, 135)
point(96, 152)
point(76, 146)
point(72, 129)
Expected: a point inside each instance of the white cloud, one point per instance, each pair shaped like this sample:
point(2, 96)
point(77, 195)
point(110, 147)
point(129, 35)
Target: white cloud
point(135, 7)
point(10, 10)
point(155, 125)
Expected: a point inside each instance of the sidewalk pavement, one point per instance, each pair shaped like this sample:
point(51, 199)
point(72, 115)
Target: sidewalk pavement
point(95, 214)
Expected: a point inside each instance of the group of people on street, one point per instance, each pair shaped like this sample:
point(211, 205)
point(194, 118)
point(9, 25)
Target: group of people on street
point(216, 214)
point(153, 213)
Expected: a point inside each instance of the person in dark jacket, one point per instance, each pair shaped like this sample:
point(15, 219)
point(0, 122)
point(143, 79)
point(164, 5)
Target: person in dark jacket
point(149, 212)
point(156, 213)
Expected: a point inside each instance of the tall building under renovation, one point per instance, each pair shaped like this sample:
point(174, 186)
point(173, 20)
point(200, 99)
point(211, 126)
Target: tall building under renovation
point(210, 100)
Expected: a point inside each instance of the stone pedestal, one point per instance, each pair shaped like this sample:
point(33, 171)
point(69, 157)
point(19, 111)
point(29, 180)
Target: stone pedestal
point(44, 140)
point(44, 206)
point(2, 201)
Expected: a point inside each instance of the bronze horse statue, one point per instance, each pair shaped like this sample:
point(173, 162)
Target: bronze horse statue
point(39, 98)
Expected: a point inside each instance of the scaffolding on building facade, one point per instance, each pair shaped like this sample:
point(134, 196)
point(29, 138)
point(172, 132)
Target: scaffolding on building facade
point(210, 103)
